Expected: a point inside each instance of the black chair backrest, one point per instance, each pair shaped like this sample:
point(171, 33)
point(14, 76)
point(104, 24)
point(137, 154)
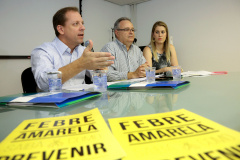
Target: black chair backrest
point(88, 80)
point(142, 47)
point(28, 82)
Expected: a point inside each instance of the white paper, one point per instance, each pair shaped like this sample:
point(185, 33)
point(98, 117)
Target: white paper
point(79, 87)
point(196, 73)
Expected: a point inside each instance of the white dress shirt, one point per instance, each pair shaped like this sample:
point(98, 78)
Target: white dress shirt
point(51, 56)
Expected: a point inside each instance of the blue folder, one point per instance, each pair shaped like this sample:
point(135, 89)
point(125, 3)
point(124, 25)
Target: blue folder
point(47, 99)
point(145, 85)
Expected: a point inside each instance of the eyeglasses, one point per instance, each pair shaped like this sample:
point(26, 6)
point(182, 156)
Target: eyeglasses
point(127, 30)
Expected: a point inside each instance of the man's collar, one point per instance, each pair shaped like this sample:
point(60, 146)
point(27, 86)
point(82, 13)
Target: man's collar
point(120, 43)
point(62, 47)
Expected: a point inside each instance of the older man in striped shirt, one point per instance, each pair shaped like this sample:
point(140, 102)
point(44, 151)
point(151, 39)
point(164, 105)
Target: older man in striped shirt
point(129, 61)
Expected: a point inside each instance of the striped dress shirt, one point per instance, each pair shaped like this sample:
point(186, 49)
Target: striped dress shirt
point(125, 61)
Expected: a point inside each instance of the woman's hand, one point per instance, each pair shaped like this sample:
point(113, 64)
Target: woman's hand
point(165, 69)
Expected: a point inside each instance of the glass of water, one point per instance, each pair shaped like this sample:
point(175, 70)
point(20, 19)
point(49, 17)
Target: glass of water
point(55, 81)
point(176, 72)
point(100, 80)
point(150, 74)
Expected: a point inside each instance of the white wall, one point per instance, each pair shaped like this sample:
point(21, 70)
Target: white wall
point(10, 71)
point(99, 17)
point(206, 33)
point(26, 24)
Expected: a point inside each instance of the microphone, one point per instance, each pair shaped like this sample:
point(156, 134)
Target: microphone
point(135, 40)
point(86, 43)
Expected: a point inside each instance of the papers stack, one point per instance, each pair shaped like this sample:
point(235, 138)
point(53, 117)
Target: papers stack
point(201, 73)
point(196, 73)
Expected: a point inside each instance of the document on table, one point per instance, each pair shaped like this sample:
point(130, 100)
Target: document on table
point(196, 73)
point(78, 136)
point(79, 87)
point(130, 80)
point(175, 135)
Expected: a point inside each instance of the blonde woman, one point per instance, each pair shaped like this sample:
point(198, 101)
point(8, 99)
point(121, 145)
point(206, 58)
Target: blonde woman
point(160, 53)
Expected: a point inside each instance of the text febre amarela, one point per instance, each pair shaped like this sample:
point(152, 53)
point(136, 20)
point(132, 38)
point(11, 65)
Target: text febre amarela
point(64, 127)
point(176, 126)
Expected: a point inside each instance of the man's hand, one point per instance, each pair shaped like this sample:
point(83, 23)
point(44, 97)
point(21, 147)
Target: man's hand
point(139, 73)
point(95, 60)
point(89, 60)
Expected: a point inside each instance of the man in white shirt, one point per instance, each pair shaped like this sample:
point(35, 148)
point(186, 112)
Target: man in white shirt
point(65, 53)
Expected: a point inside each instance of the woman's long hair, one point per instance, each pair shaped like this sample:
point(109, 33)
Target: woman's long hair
point(166, 43)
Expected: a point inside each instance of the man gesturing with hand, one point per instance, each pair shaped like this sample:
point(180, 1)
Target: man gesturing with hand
point(65, 53)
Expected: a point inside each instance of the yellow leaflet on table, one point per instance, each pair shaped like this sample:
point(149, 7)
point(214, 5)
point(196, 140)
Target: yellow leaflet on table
point(79, 136)
point(176, 135)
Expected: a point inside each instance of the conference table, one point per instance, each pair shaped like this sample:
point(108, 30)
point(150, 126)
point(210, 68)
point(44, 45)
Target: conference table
point(216, 97)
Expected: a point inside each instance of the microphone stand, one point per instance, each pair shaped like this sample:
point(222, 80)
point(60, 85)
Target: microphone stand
point(112, 33)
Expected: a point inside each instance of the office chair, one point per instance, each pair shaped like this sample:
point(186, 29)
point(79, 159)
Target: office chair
point(28, 82)
point(142, 47)
point(87, 78)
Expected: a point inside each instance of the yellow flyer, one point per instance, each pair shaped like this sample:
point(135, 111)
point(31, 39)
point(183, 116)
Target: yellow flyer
point(80, 136)
point(175, 135)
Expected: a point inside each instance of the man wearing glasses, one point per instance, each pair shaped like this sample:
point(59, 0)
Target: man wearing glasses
point(129, 62)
